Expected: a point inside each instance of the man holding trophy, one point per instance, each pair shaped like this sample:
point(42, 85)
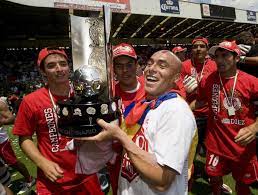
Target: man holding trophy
point(56, 112)
point(38, 114)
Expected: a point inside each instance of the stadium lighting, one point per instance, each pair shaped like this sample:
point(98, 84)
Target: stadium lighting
point(173, 27)
point(187, 29)
point(145, 22)
point(205, 26)
point(162, 22)
point(121, 25)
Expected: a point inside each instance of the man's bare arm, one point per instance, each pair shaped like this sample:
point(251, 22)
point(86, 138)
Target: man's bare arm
point(50, 169)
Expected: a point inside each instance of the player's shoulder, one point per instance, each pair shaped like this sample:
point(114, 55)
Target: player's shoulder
point(36, 95)
point(187, 62)
point(213, 76)
point(245, 76)
point(177, 104)
point(212, 66)
point(211, 61)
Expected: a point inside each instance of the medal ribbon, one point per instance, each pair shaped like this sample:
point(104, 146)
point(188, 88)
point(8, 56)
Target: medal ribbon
point(230, 104)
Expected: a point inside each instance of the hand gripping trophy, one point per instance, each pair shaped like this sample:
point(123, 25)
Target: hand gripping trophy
point(92, 78)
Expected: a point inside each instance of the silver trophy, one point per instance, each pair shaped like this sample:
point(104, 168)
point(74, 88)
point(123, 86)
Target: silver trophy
point(92, 78)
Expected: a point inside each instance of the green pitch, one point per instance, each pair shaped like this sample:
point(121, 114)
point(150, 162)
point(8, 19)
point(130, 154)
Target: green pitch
point(200, 186)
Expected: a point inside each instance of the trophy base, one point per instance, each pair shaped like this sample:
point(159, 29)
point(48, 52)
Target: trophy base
point(79, 119)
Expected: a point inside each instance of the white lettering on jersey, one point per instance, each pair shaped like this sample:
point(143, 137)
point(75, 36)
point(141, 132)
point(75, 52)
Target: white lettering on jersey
point(128, 171)
point(52, 129)
point(215, 99)
point(233, 121)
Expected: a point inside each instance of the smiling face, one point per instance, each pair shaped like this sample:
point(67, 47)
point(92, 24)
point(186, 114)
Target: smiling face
point(161, 73)
point(56, 69)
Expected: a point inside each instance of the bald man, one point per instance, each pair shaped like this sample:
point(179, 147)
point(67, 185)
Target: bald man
point(155, 159)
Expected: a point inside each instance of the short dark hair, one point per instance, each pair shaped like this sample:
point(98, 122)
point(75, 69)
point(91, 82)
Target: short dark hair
point(245, 37)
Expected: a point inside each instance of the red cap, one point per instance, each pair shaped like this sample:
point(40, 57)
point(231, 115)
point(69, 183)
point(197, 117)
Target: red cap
point(124, 49)
point(227, 45)
point(201, 39)
point(178, 49)
point(46, 52)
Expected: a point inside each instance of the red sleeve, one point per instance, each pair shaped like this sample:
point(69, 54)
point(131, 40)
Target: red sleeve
point(185, 67)
point(25, 123)
point(181, 88)
point(201, 93)
point(254, 88)
point(184, 72)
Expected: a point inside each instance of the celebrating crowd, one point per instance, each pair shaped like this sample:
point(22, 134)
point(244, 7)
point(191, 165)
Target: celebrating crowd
point(171, 107)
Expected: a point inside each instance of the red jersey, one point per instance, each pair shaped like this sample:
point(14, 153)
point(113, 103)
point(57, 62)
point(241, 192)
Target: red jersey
point(200, 72)
point(36, 114)
point(129, 97)
point(222, 128)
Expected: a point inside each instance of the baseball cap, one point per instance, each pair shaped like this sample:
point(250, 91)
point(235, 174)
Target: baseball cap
point(227, 45)
point(47, 51)
point(178, 49)
point(203, 39)
point(124, 49)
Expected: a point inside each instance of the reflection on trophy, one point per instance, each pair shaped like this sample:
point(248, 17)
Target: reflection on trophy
point(92, 80)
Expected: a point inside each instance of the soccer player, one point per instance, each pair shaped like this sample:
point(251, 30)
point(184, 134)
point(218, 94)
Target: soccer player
point(155, 159)
point(38, 114)
point(232, 124)
point(130, 87)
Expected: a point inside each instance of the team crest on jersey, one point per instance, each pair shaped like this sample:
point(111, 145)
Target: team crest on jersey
point(128, 171)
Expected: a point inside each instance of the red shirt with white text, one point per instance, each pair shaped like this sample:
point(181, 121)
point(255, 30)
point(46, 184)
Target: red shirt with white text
point(222, 128)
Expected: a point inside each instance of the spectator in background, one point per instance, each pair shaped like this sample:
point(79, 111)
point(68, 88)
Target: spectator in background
point(249, 52)
point(255, 34)
point(180, 52)
point(141, 64)
point(6, 151)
